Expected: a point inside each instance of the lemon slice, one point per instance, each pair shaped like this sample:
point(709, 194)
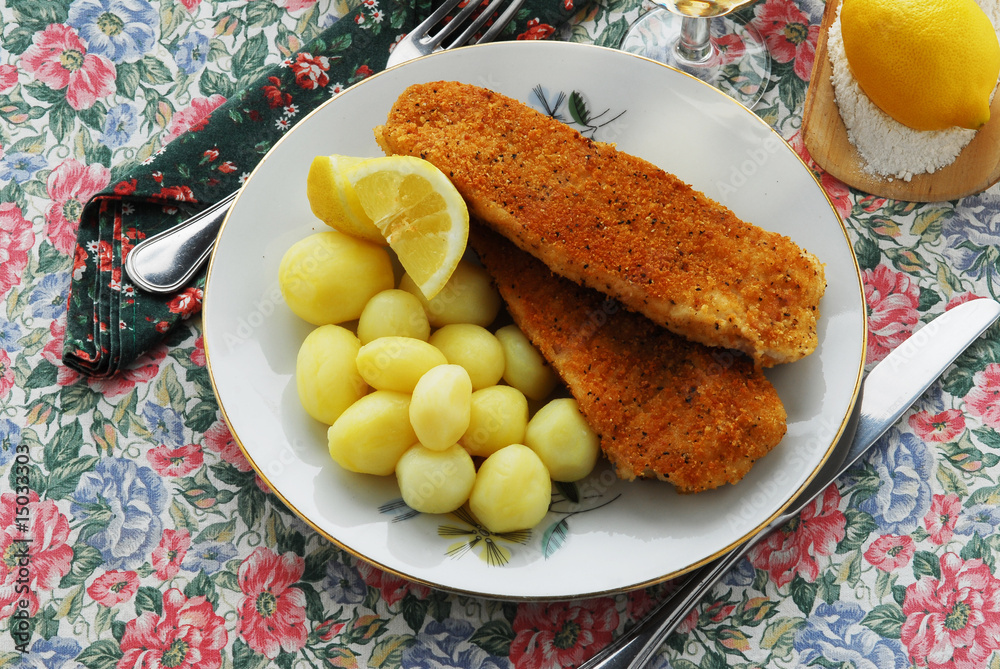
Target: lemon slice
point(420, 214)
point(333, 201)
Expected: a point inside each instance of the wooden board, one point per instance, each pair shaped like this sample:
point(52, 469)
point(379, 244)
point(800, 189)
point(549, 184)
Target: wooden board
point(976, 168)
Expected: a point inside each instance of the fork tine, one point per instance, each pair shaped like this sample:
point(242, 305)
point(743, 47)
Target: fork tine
point(501, 22)
point(455, 22)
point(478, 22)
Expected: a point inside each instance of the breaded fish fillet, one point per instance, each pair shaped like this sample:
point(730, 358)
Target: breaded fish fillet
point(614, 222)
point(663, 406)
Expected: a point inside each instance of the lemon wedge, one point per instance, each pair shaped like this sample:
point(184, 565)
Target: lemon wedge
point(418, 211)
point(333, 201)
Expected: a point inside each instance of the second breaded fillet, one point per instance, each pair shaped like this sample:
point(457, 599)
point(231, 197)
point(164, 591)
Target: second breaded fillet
point(614, 222)
point(663, 406)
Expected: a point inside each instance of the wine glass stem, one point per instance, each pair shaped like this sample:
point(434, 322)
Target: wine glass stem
point(694, 45)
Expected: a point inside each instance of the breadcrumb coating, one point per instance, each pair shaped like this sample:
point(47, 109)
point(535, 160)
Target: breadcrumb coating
point(614, 222)
point(664, 406)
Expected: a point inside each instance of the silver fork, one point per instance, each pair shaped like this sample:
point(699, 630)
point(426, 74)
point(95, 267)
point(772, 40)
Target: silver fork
point(165, 262)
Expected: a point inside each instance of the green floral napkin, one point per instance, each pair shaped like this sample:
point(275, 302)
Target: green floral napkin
point(110, 322)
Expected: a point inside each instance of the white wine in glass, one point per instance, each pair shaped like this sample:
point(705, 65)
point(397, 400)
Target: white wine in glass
point(696, 36)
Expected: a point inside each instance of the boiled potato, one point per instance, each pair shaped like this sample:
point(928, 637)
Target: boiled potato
point(561, 437)
point(498, 418)
point(328, 277)
point(468, 297)
point(326, 375)
point(512, 490)
point(435, 481)
point(397, 363)
point(372, 434)
point(441, 406)
point(393, 313)
point(525, 368)
point(473, 347)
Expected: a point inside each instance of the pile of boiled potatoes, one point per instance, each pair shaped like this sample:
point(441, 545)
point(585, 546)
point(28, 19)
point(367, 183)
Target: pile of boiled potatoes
point(425, 390)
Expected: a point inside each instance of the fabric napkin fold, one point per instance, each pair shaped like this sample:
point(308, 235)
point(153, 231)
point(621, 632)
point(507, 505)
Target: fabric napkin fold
point(110, 323)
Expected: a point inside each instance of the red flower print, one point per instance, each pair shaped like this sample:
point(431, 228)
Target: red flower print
point(195, 117)
point(561, 634)
point(167, 556)
point(190, 5)
point(59, 59)
point(953, 621)
point(890, 552)
point(272, 613)
point(942, 516)
point(392, 588)
point(16, 238)
point(114, 587)
point(142, 370)
point(52, 351)
point(179, 461)
point(294, 5)
point(187, 302)
point(8, 77)
point(983, 401)
point(70, 185)
point(105, 256)
point(892, 299)
point(836, 190)
point(961, 299)
point(227, 167)
point(39, 562)
point(126, 187)
point(188, 635)
point(940, 427)
point(793, 549)
point(198, 354)
point(568, 5)
point(274, 95)
point(179, 193)
point(310, 71)
point(6, 374)
point(536, 30)
point(218, 438)
point(212, 154)
point(788, 34)
point(363, 72)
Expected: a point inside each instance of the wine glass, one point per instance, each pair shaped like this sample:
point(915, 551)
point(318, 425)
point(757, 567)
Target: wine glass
point(696, 36)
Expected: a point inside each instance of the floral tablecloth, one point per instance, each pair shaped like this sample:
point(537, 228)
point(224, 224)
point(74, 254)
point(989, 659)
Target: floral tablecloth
point(134, 533)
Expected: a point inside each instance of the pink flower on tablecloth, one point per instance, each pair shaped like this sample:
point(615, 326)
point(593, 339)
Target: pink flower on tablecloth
point(39, 562)
point(59, 59)
point(391, 588)
point(294, 5)
point(939, 427)
point(16, 238)
point(891, 552)
point(188, 635)
point(561, 634)
point(175, 461)
point(311, 71)
point(114, 587)
point(788, 33)
point(52, 351)
point(272, 613)
point(145, 367)
point(194, 117)
point(168, 555)
point(187, 302)
point(190, 5)
point(218, 438)
point(793, 548)
point(983, 401)
point(8, 78)
point(70, 185)
point(953, 621)
point(892, 299)
point(836, 190)
point(535, 29)
point(7, 378)
point(941, 517)
point(198, 354)
point(961, 299)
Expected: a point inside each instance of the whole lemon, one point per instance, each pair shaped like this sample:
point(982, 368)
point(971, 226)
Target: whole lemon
point(929, 64)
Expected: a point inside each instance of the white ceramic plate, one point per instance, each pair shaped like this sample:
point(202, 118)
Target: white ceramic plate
point(621, 535)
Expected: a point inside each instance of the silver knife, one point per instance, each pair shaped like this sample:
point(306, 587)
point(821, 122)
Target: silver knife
point(890, 388)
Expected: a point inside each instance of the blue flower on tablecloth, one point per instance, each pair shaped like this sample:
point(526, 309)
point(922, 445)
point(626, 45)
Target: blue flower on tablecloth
point(118, 505)
point(834, 634)
point(973, 235)
point(191, 52)
point(119, 125)
point(441, 646)
point(54, 653)
point(20, 166)
point(904, 466)
point(47, 298)
point(741, 575)
point(208, 556)
point(164, 424)
point(981, 519)
point(10, 438)
point(344, 584)
point(10, 335)
point(121, 30)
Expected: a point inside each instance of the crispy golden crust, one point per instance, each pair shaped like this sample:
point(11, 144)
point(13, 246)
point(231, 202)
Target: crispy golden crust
point(614, 222)
point(664, 406)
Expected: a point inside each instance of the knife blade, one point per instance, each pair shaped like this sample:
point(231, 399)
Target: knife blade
point(890, 388)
